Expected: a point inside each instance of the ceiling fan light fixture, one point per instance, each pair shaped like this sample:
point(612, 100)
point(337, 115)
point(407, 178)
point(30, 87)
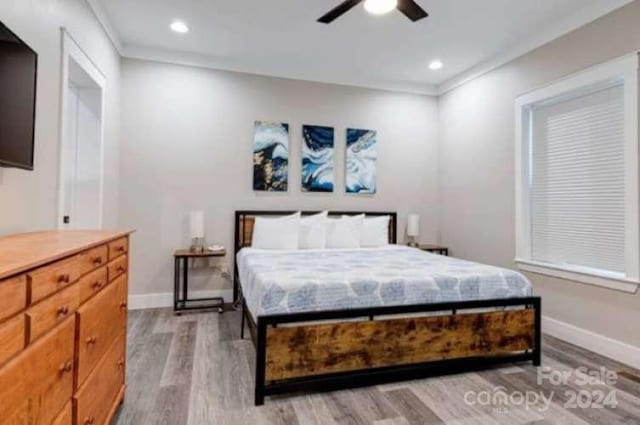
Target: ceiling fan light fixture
point(380, 7)
point(179, 26)
point(435, 65)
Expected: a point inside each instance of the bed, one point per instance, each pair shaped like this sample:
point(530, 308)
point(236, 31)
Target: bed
point(330, 319)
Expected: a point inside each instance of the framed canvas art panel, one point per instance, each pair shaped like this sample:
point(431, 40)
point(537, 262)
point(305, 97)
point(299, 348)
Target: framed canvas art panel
point(270, 156)
point(361, 159)
point(317, 158)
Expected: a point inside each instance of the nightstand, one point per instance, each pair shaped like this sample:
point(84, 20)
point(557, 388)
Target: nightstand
point(181, 301)
point(436, 249)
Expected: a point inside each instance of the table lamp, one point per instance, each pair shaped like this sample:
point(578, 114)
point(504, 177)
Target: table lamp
point(197, 231)
point(413, 229)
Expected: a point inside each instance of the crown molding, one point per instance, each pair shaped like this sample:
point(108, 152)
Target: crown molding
point(211, 62)
point(105, 22)
point(579, 19)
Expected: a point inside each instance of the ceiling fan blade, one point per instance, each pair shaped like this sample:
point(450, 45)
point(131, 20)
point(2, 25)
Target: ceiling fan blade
point(411, 10)
point(337, 11)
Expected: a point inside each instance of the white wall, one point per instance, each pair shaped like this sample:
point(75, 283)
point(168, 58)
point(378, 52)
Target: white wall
point(29, 199)
point(476, 174)
point(187, 145)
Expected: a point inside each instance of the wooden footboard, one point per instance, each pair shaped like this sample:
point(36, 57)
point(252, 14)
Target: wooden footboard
point(295, 354)
point(298, 351)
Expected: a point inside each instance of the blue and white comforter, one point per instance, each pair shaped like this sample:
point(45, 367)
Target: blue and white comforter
point(276, 282)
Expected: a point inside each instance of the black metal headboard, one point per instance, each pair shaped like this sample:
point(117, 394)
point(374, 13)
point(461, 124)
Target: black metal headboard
point(244, 230)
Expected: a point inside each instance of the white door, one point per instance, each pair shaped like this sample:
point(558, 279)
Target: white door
point(82, 160)
point(82, 133)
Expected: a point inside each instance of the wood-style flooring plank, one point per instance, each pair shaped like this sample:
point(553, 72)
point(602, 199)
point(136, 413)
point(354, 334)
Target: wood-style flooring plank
point(179, 366)
point(413, 410)
point(342, 409)
point(205, 401)
point(172, 405)
point(445, 397)
point(373, 405)
point(396, 421)
point(312, 410)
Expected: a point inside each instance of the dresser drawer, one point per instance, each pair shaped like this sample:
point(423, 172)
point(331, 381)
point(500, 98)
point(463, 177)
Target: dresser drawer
point(19, 415)
point(51, 311)
point(65, 417)
point(92, 283)
point(36, 385)
point(12, 337)
point(49, 279)
point(118, 247)
point(96, 396)
point(100, 321)
point(93, 258)
point(13, 296)
point(118, 267)
point(121, 285)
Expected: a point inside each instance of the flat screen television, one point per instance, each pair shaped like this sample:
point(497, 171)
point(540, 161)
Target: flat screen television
point(18, 67)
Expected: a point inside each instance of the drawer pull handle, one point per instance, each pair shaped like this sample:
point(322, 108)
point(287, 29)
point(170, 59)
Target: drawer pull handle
point(123, 305)
point(89, 420)
point(97, 261)
point(64, 278)
point(63, 311)
point(97, 284)
point(120, 248)
point(91, 340)
point(120, 269)
point(66, 367)
point(120, 363)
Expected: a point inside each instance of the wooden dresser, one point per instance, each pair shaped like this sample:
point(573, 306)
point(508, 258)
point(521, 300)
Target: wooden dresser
point(63, 319)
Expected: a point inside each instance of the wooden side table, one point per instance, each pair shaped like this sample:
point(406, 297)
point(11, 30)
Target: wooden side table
point(181, 300)
point(436, 249)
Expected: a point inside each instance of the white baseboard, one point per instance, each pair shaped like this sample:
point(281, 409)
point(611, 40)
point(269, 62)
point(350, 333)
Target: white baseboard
point(165, 299)
point(614, 349)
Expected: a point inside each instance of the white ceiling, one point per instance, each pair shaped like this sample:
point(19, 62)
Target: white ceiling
point(282, 37)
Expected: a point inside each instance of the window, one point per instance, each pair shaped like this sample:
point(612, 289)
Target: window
point(577, 177)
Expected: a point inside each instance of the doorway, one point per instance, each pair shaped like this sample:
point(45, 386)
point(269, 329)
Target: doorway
point(81, 158)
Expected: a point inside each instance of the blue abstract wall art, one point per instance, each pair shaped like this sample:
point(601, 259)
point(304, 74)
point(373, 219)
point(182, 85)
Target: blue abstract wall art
point(317, 159)
point(271, 156)
point(362, 154)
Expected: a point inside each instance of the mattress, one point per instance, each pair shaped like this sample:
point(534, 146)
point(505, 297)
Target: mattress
point(277, 282)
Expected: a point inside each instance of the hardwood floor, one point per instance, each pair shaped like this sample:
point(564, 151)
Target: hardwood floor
point(194, 369)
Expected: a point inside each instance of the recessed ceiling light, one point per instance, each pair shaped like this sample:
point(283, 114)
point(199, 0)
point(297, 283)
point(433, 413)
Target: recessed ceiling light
point(435, 65)
point(380, 7)
point(179, 27)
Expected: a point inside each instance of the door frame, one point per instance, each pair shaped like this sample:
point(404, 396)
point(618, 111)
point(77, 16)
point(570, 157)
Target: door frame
point(71, 50)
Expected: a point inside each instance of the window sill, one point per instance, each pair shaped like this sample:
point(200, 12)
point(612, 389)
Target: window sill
point(603, 279)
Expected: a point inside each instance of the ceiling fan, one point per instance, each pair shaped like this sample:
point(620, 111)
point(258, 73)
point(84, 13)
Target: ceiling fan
point(408, 7)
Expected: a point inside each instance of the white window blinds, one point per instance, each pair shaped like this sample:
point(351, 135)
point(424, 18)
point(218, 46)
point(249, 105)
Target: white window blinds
point(577, 181)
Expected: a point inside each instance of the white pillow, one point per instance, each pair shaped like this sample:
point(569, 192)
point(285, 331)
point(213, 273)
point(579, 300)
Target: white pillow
point(344, 232)
point(276, 233)
point(313, 231)
point(375, 232)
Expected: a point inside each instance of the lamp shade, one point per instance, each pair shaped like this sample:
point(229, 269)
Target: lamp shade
point(413, 225)
point(197, 224)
